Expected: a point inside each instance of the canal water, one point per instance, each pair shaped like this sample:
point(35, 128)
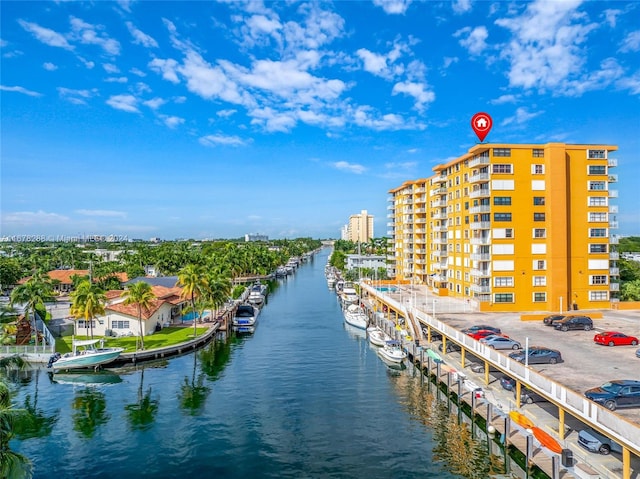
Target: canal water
point(302, 397)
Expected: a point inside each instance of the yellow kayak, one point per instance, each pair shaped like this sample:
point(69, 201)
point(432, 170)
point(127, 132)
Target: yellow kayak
point(521, 419)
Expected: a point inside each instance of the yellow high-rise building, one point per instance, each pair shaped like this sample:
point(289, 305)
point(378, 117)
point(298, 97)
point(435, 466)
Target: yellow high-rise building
point(360, 227)
point(512, 227)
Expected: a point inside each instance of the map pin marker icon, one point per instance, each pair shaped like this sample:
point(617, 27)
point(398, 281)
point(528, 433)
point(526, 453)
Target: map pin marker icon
point(481, 124)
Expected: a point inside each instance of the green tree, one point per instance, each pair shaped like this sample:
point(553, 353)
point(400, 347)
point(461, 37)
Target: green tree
point(218, 290)
point(142, 296)
point(87, 302)
point(194, 284)
point(34, 293)
point(630, 291)
point(10, 272)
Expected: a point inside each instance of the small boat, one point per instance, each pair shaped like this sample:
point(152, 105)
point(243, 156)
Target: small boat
point(433, 355)
point(84, 354)
point(521, 419)
point(356, 317)
point(246, 315)
point(546, 440)
point(281, 272)
point(392, 351)
point(377, 336)
point(349, 295)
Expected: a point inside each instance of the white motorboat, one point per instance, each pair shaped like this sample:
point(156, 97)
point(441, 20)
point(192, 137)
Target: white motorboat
point(355, 316)
point(349, 295)
point(392, 351)
point(377, 336)
point(84, 354)
point(246, 315)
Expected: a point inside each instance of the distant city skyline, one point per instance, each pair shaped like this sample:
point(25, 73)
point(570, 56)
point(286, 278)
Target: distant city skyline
point(220, 119)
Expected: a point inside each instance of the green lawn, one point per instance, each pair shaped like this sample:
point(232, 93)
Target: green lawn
point(164, 337)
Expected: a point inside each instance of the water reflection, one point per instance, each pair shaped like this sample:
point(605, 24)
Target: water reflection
point(35, 422)
point(142, 413)
point(90, 411)
point(193, 391)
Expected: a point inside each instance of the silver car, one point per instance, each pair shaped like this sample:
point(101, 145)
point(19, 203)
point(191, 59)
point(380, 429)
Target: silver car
point(595, 442)
point(500, 342)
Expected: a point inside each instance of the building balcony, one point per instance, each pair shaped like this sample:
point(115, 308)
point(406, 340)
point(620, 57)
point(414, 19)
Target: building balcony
point(613, 208)
point(476, 288)
point(421, 251)
point(612, 162)
point(481, 225)
point(391, 207)
point(439, 278)
point(420, 210)
point(614, 271)
point(440, 253)
point(613, 178)
point(420, 230)
point(420, 189)
point(480, 193)
point(614, 239)
point(480, 241)
point(481, 160)
point(419, 261)
point(478, 177)
point(440, 228)
point(481, 273)
point(481, 256)
point(391, 233)
point(614, 255)
point(614, 286)
point(421, 221)
point(438, 191)
point(613, 193)
point(613, 224)
point(391, 215)
point(439, 203)
point(439, 215)
point(480, 209)
point(439, 240)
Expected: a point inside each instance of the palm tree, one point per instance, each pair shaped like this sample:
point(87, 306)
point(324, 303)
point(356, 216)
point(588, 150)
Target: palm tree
point(87, 301)
point(194, 283)
point(33, 293)
point(141, 295)
point(218, 291)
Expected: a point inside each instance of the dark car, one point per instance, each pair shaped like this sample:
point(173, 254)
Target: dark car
point(480, 327)
point(537, 355)
point(549, 320)
point(574, 322)
point(616, 394)
point(508, 383)
point(451, 346)
point(527, 396)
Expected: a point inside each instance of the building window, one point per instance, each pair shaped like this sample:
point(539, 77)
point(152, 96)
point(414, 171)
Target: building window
point(597, 232)
point(596, 154)
point(539, 280)
point(82, 324)
point(502, 217)
point(540, 265)
point(597, 170)
point(598, 217)
point(503, 298)
point(598, 295)
point(538, 200)
point(538, 153)
point(598, 248)
point(539, 232)
point(598, 279)
point(508, 233)
point(502, 200)
point(499, 168)
point(538, 217)
point(539, 297)
point(597, 186)
point(597, 201)
point(537, 169)
point(504, 152)
point(120, 324)
point(503, 281)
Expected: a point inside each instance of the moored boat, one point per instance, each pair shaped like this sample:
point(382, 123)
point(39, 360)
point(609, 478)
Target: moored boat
point(355, 316)
point(377, 336)
point(392, 351)
point(84, 354)
point(246, 315)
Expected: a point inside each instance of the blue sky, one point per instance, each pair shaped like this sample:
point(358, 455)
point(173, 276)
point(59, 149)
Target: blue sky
point(216, 119)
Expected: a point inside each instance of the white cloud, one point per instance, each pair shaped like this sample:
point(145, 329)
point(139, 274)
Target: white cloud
point(90, 35)
point(140, 37)
point(461, 6)
point(102, 213)
point(393, 7)
point(213, 140)
point(631, 83)
point(501, 100)
point(171, 121)
point(418, 91)
point(138, 72)
point(474, 40)
point(19, 89)
point(116, 79)
point(33, 218)
point(384, 65)
point(49, 66)
point(166, 67)
point(77, 97)
point(110, 68)
point(611, 16)
point(448, 61)
point(350, 167)
point(226, 113)
point(154, 103)
point(631, 43)
point(522, 116)
point(124, 102)
point(46, 35)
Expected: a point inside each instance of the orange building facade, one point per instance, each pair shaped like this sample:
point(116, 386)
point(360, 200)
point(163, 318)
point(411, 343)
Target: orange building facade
point(512, 227)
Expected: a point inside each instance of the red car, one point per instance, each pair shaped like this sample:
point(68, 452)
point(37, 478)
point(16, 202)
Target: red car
point(614, 338)
point(483, 333)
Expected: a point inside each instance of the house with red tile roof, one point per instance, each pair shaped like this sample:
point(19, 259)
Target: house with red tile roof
point(62, 279)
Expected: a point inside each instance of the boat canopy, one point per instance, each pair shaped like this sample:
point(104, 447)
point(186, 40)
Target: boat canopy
point(393, 342)
point(85, 342)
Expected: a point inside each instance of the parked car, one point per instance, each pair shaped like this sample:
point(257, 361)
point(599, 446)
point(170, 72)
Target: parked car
point(574, 322)
point(595, 442)
point(451, 346)
point(537, 355)
point(508, 383)
point(614, 338)
point(482, 333)
point(496, 341)
point(549, 320)
point(479, 327)
point(616, 394)
point(528, 396)
point(479, 368)
point(637, 353)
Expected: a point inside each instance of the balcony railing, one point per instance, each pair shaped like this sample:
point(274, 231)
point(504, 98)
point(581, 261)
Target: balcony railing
point(614, 255)
point(480, 273)
point(613, 224)
point(439, 203)
point(481, 225)
point(480, 241)
point(480, 209)
point(483, 160)
point(612, 162)
point(614, 271)
point(614, 239)
point(613, 178)
point(613, 193)
point(613, 208)
point(479, 177)
point(614, 286)
point(481, 193)
point(476, 288)
point(481, 256)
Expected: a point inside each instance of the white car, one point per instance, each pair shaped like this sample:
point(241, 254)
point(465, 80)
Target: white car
point(500, 342)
